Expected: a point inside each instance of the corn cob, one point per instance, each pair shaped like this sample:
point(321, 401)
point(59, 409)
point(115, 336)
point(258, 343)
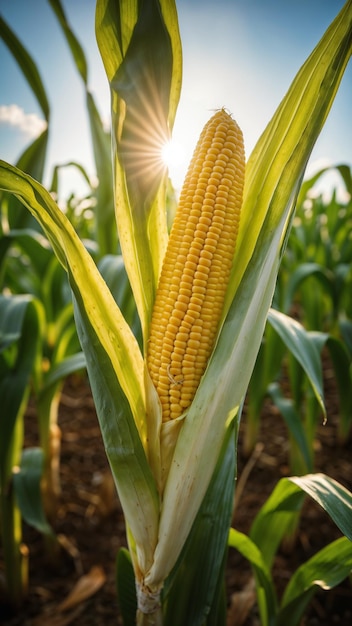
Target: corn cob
point(197, 266)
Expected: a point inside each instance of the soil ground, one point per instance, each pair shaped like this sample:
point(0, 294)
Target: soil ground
point(89, 521)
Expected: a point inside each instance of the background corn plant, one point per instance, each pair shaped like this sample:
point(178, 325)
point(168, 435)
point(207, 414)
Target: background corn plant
point(315, 282)
point(313, 286)
point(324, 570)
point(28, 266)
point(20, 355)
point(113, 358)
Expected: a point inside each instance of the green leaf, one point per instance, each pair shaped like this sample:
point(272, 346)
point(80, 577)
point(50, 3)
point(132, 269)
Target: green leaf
point(32, 161)
point(346, 332)
point(302, 273)
point(141, 50)
point(344, 171)
point(293, 421)
point(64, 368)
point(27, 66)
point(266, 369)
point(21, 322)
point(126, 587)
point(276, 514)
point(101, 140)
point(190, 591)
point(34, 244)
point(302, 346)
point(335, 499)
point(266, 596)
point(33, 158)
point(114, 362)
point(75, 46)
point(325, 570)
point(54, 186)
point(123, 446)
point(342, 364)
point(26, 481)
point(275, 517)
point(106, 233)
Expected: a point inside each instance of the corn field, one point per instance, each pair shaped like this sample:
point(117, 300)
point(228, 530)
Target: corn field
point(176, 374)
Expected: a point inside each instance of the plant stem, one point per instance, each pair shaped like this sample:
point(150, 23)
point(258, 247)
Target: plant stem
point(11, 531)
point(149, 612)
point(15, 558)
point(150, 619)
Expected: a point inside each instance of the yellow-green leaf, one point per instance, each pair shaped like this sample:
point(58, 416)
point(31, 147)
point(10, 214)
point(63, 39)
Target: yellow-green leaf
point(114, 362)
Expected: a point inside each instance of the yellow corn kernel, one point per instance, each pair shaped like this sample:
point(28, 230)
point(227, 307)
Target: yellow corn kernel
point(197, 266)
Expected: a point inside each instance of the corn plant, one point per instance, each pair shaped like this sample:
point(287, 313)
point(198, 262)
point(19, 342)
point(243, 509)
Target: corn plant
point(316, 275)
point(314, 282)
point(323, 570)
point(284, 339)
point(303, 410)
point(302, 405)
point(175, 477)
point(287, 347)
point(28, 266)
point(315, 279)
point(20, 357)
point(33, 158)
point(105, 231)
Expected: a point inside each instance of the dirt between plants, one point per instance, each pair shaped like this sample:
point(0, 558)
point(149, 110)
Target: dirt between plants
point(90, 525)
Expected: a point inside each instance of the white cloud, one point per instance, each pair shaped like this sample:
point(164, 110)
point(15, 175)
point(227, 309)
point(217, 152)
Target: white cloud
point(28, 123)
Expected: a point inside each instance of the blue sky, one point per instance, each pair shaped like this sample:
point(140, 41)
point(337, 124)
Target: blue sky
point(240, 54)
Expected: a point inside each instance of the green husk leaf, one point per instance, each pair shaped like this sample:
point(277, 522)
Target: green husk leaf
point(141, 50)
point(114, 362)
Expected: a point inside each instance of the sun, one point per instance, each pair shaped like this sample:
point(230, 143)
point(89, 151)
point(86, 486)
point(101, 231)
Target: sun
point(173, 157)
